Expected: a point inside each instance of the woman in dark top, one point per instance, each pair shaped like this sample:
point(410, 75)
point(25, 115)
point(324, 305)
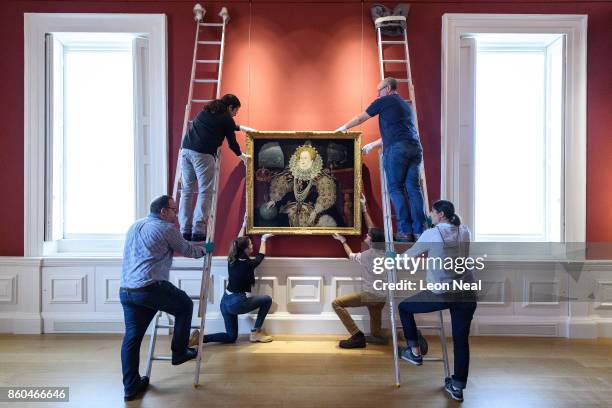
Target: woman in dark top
point(237, 298)
point(206, 133)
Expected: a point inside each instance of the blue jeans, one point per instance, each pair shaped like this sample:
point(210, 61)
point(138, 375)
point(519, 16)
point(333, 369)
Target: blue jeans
point(139, 308)
point(462, 308)
point(234, 305)
point(197, 175)
point(402, 161)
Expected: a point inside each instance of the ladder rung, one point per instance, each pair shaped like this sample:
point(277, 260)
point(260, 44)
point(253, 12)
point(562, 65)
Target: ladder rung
point(163, 358)
point(394, 61)
point(392, 42)
point(207, 61)
point(209, 42)
point(212, 24)
point(433, 359)
point(402, 80)
point(201, 101)
point(429, 327)
point(169, 326)
point(206, 81)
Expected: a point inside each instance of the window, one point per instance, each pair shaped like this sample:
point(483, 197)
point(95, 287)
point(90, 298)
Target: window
point(103, 143)
point(518, 138)
point(96, 164)
point(514, 125)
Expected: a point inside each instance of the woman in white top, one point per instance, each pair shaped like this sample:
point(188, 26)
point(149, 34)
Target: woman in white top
point(446, 242)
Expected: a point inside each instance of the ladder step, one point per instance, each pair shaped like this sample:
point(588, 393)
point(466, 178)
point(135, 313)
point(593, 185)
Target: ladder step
point(392, 42)
point(207, 61)
point(212, 24)
point(433, 359)
point(169, 326)
point(394, 61)
point(163, 358)
point(201, 101)
point(209, 42)
point(206, 81)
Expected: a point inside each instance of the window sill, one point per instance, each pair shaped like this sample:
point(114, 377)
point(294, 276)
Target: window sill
point(83, 248)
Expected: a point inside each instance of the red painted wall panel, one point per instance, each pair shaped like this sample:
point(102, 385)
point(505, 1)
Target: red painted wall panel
point(305, 65)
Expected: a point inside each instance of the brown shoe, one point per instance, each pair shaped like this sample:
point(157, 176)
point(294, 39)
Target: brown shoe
point(357, 340)
point(194, 339)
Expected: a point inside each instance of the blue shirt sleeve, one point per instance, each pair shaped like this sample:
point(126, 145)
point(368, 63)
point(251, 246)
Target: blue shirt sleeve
point(177, 243)
point(375, 107)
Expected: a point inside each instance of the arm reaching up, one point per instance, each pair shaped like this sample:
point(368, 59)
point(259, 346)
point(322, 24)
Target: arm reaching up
point(366, 215)
point(262, 244)
point(243, 228)
point(347, 248)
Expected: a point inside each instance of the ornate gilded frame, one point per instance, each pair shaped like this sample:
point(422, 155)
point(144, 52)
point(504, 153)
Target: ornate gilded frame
point(250, 177)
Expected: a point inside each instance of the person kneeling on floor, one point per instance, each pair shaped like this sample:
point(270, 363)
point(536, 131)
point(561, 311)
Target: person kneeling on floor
point(237, 298)
point(372, 299)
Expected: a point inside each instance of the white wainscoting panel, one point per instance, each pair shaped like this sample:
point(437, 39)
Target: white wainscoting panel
point(523, 298)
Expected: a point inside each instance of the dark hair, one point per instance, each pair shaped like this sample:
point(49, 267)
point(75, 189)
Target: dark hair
point(376, 234)
point(391, 82)
point(221, 105)
point(159, 204)
point(239, 245)
point(231, 100)
point(216, 106)
point(448, 209)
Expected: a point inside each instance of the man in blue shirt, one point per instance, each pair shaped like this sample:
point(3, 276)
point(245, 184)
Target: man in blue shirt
point(402, 156)
point(147, 258)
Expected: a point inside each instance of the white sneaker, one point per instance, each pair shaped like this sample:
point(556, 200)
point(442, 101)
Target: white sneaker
point(260, 337)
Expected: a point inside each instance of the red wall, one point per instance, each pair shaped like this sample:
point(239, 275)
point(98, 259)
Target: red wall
point(305, 66)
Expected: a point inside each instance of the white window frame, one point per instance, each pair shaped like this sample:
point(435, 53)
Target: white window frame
point(35, 27)
point(574, 27)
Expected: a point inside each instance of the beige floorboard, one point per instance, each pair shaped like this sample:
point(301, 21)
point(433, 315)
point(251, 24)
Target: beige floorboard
point(311, 371)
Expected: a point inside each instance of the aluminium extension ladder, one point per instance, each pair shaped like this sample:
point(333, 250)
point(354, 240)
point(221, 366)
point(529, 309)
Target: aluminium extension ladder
point(386, 204)
point(199, 12)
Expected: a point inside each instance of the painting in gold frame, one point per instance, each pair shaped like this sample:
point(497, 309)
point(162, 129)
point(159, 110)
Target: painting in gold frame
point(303, 183)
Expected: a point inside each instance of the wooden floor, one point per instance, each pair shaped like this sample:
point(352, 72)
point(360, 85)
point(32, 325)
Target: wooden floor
point(312, 372)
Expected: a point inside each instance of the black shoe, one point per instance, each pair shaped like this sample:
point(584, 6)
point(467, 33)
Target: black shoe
point(142, 387)
point(455, 393)
point(406, 354)
point(357, 340)
point(190, 354)
point(422, 343)
point(377, 340)
point(198, 237)
point(187, 236)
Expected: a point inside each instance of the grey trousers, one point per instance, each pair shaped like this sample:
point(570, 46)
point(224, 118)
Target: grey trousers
point(197, 172)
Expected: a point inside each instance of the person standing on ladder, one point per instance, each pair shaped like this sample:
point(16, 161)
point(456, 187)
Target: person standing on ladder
point(147, 258)
point(213, 123)
point(402, 156)
point(448, 239)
